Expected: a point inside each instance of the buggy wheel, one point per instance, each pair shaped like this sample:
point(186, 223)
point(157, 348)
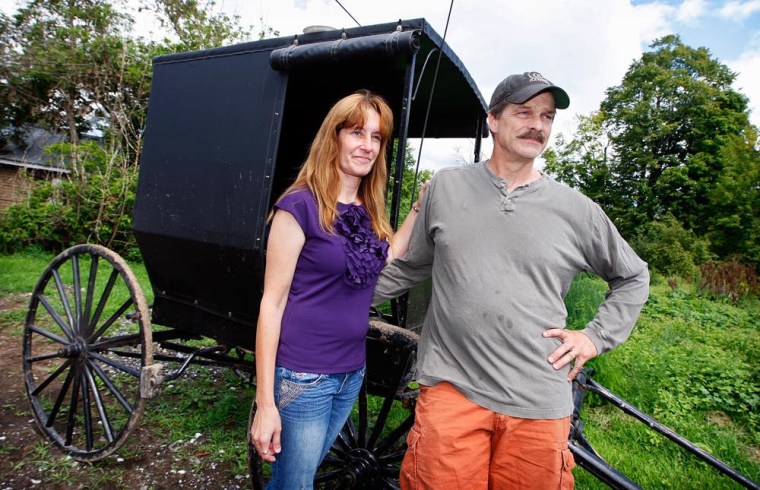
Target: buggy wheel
point(368, 452)
point(82, 356)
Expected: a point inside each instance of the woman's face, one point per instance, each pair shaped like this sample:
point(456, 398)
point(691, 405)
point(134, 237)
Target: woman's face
point(359, 147)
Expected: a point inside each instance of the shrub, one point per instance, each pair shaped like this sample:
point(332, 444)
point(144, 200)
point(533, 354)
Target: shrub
point(670, 249)
point(92, 204)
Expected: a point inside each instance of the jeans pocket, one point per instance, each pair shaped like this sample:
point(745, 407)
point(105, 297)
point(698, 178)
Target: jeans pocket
point(293, 383)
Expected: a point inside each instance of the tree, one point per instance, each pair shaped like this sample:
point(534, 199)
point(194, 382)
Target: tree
point(668, 121)
point(583, 162)
point(68, 67)
point(195, 26)
point(408, 194)
point(73, 67)
point(664, 143)
point(735, 200)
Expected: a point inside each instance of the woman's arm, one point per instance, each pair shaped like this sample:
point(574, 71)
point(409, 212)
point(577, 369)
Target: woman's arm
point(286, 240)
point(400, 241)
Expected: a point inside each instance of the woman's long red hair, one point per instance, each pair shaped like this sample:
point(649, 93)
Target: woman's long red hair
point(320, 174)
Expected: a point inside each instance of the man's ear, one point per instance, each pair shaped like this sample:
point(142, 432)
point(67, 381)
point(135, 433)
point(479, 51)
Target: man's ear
point(493, 122)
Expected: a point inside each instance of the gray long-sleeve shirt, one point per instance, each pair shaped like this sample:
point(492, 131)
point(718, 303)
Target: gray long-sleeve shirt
point(501, 264)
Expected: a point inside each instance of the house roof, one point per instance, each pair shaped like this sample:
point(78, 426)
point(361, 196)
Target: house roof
point(32, 155)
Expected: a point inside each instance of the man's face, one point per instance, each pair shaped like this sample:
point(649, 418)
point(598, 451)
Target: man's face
point(521, 131)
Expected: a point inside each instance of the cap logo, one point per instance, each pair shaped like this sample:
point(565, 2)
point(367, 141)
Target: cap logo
point(534, 76)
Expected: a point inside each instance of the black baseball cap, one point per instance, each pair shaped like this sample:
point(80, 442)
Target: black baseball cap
point(519, 88)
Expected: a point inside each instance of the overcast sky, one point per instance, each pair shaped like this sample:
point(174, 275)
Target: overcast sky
point(585, 46)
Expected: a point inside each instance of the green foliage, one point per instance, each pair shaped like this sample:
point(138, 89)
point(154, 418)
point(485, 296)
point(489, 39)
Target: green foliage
point(691, 363)
point(73, 69)
point(673, 138)
point(92, 204)
point(670, 249)
point(703, 360)
point(730, 279)
point(408, 181)
point(194, 25)
point(735, 200)
point(583, 299)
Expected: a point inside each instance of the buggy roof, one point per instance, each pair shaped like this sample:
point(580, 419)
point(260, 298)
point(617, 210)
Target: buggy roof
point(375, 57)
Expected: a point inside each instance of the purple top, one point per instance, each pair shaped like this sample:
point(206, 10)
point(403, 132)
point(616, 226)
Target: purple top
point(326, 318)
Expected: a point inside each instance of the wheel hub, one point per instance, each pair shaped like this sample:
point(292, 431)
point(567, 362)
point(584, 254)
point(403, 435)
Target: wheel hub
point(361, 467)
point(75, 349)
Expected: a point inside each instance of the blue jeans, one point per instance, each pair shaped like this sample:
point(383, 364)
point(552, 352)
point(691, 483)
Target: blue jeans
point(313, 409)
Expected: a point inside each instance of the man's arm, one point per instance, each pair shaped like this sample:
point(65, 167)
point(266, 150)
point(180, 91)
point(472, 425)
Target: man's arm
point(627, 276)
point(416, 266)
point(618, 313)
point(624, 302)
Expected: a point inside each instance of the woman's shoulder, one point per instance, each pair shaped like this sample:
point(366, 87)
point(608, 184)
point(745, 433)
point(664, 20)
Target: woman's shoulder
point(295, 197)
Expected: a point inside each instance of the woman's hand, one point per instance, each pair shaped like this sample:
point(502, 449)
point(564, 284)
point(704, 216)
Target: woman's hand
point(416, 205)
point(265, 432)
point(400, 241)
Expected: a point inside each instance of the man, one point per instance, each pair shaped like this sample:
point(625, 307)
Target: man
point(503, 242)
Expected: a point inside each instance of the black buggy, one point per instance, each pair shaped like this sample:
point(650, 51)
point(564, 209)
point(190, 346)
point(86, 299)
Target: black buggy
point(227, 131)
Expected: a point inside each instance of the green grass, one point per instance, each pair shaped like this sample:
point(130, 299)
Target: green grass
point(19, 272)
point(692, 364)
point(18, 275)
point(211, 403)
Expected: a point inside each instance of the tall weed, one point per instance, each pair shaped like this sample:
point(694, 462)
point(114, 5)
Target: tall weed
point(731, 279)
point(585, 295)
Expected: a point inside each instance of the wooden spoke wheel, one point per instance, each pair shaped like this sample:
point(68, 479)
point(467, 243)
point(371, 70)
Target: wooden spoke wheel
point(86, 339)
point(368, 452)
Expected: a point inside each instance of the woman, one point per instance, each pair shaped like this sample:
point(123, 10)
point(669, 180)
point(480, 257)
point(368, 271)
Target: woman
point(328, 241)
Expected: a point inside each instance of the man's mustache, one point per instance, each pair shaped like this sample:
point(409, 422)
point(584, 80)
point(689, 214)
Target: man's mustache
point(537, 135)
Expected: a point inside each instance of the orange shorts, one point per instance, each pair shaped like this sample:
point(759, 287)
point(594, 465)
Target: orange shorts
point(455, 443)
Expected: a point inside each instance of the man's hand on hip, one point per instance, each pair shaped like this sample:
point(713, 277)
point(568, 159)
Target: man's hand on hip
point(576, 346)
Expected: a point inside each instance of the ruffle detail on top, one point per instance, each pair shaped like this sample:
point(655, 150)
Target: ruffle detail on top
point(365, 252)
